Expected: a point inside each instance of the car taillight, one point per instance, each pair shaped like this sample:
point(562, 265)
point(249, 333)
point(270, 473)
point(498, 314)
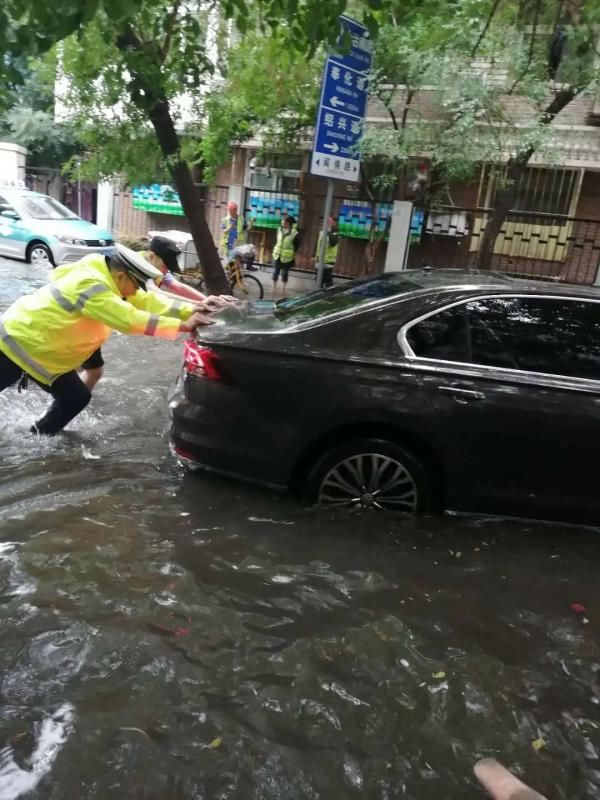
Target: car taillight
point(201, 361)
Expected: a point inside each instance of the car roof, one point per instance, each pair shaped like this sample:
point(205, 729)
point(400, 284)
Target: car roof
point(429, 278)
point(16, 190)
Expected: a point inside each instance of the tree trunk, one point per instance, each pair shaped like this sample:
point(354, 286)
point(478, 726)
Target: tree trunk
point(189, 195)
point(147, 93)
point(506, 197)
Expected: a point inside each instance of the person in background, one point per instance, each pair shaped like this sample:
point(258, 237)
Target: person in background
point(284, 252)
point(331, 249)
point(232, 232)
point(46, 335)
point(163, 254)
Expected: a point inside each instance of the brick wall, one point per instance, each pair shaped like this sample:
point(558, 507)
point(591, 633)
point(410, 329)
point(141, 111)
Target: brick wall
point(132, 223)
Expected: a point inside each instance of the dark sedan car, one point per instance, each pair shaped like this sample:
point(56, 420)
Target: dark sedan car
point(411, 391)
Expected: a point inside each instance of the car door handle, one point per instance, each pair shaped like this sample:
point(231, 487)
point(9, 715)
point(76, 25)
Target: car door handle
point(462, 395)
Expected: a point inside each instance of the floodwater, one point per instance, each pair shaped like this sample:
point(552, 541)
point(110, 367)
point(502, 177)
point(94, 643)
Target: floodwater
point(170, 636)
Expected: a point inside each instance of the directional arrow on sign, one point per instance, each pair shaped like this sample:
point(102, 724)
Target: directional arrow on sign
point(333, 147)
point(335, 102)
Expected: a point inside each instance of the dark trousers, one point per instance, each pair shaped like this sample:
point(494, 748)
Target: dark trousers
point(70, 395)
point(282, 269)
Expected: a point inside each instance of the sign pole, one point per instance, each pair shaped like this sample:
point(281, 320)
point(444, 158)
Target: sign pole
point(325, 232)
point(341, 116)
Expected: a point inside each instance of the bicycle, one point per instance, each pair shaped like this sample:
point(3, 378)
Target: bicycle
point(244, 285)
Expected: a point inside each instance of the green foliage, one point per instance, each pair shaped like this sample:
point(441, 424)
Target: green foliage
point(221, 89)
point(30, 28)
point(270, 90)
point(470, 81)
point(28, 117)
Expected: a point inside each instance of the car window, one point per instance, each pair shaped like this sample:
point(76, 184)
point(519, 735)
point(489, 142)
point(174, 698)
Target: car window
point(556, 336)
point(42, 207)
point(443, 336)
point(324, 302)
point(4, 205)
point(550, 335)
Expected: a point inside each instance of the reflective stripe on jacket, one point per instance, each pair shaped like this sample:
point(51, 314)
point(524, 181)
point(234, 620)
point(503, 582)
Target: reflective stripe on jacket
point(284, 246)
point(58, 327)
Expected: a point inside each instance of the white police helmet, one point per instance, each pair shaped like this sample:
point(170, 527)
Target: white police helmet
point(136, 266)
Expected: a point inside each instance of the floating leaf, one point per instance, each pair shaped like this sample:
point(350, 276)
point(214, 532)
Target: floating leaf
point(439, 675)
point(459, 554)
point(578, 608)
point(216, 743)
point(404, 662)
point(537, 744)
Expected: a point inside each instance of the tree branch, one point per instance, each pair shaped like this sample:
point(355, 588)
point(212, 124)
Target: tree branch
point(410, 96)
point(169, 27)
point(485, 27)
point(129, 40)
point(531, 47)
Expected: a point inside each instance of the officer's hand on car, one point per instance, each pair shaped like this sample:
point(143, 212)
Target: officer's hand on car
point(219, 300)
point(501, 784)
point(193, 322)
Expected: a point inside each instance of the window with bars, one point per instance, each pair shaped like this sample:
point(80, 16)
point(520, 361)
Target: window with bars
point(539, 226)
point(541, 190)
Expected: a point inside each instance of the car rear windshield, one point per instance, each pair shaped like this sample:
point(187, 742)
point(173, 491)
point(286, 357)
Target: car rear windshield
point(322, 303)
point(46, 208)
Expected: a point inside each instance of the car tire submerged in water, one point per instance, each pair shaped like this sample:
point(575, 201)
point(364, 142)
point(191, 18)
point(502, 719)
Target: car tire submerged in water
point(371, 473)
point(39, 253)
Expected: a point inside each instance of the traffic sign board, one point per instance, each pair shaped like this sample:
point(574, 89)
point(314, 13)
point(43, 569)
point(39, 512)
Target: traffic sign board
point(343, 106)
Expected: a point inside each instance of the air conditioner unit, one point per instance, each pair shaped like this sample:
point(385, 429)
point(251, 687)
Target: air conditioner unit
point(267, 182)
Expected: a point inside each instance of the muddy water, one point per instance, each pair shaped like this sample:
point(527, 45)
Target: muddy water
point(166, 635)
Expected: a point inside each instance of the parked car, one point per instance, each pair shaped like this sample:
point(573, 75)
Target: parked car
point(38, 229)
point(411, 391)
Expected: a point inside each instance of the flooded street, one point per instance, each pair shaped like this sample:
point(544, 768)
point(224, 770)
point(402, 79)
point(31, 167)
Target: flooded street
point(171, 636)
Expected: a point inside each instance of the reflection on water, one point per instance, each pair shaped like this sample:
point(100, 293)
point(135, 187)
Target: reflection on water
point(166, 635)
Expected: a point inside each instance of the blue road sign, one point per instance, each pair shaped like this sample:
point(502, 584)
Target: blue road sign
point(343, 106)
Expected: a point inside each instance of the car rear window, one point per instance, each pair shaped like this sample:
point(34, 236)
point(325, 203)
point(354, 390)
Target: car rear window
point(324, 302)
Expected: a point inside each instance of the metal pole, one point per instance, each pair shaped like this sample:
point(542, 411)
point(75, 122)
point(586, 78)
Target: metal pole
point(324, 233)
point(79, 188)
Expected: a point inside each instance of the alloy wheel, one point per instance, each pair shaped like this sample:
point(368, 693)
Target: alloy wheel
point(39, 255)
point(370, 480)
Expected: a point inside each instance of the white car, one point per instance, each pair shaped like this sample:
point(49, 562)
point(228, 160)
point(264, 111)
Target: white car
point(38, 229)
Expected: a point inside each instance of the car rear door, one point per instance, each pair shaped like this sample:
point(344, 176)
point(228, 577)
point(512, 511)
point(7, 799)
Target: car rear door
point(515, 384)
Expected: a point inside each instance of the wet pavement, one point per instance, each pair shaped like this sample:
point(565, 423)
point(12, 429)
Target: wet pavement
point(165, 635)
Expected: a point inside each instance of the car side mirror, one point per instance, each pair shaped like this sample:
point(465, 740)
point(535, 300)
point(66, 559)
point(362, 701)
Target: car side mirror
point(9, 214)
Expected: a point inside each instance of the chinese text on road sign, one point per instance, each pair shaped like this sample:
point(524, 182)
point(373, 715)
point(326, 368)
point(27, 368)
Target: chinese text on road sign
point(343, 107)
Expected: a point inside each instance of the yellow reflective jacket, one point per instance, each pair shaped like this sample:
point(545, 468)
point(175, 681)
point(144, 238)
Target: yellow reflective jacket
point(330, 250)
point(285, 249)
point(55, 329)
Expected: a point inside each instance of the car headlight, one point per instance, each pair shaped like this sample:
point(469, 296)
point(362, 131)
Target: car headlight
point(70, 240)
